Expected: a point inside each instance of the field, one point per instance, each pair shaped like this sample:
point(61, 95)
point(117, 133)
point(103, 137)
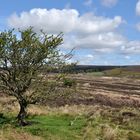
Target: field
point(97, 107)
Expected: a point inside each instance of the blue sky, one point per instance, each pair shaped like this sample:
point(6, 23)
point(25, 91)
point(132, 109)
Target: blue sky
point(103, 32)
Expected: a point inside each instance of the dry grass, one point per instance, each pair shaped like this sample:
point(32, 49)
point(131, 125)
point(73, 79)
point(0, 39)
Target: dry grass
point(101, 122)
point(101, 116)
point(109, 133)
point(13, 134)
point(73, 110)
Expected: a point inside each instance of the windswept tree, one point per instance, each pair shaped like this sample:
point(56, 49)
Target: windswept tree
point(21, 58)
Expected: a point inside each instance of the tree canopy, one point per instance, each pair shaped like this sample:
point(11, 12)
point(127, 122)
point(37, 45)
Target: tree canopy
point(21, 57)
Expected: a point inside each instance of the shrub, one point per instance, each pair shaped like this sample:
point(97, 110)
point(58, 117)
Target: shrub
point(69, 82)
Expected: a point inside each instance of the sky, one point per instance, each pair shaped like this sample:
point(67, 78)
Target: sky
point(102, 32)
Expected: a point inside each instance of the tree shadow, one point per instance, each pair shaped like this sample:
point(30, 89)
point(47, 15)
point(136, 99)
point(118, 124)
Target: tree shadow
point(4, 120)
point(12, 120)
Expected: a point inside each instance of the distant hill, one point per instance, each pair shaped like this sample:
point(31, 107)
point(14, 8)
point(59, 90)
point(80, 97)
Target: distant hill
point(92, 68)
point(133, 68)
point(86, 68)
point(97, 68)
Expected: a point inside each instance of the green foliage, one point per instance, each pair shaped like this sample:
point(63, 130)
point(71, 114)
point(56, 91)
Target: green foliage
point(114, 72)
point(21, 60)
point(133, 136)
point(69, 82)
point(121, 72)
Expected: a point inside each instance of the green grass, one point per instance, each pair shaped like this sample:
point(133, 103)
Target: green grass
point(117, 72)
point(96, 74)
point(4, 120)
point(120, 72)
point(59, 126)
point(68, 127)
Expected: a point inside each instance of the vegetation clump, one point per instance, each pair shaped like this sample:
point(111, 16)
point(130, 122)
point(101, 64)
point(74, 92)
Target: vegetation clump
point(21, 60)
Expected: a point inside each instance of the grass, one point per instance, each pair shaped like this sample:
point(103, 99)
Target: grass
point(70, 127)
point(121, 72)
point(96, 74)
point(71, 122)
point(117, 72)
point(63, 127)
point(10, 133)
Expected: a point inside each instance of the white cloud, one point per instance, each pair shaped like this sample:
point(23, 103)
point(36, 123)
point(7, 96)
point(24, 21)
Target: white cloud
point(90, 23)
point(52, 21)
point(81, 31)
point(102, 42)
point(138, 8)
point(131, 47)
point(66, 20)
point(87, 59)
point(109, 3)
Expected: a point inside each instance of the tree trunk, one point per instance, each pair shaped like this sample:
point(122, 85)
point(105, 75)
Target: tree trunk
point(22, 113)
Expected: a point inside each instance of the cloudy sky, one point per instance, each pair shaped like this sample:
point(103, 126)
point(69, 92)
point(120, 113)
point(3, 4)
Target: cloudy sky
point(103, 32)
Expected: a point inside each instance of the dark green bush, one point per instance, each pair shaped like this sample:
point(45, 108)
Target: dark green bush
point(69, 82)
